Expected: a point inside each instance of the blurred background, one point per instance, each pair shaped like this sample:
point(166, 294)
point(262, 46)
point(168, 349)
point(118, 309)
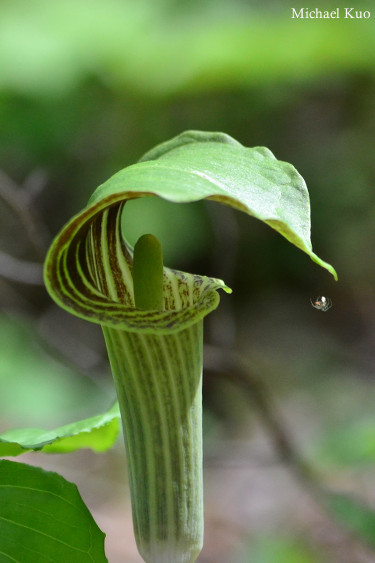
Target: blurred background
point(86, 87)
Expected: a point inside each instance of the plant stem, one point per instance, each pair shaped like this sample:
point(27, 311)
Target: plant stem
point(159, 386)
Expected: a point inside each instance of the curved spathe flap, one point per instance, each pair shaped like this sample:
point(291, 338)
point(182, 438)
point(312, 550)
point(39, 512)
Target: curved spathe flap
point(207, 165)
point(88, 269)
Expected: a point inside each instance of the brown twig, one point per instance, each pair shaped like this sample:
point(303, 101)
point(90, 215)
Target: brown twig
point(229, 365)
point(21, 271)
point(19, 201)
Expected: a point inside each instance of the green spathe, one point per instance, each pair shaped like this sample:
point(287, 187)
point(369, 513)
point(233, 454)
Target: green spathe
point(201, 165)
point(192, 166)
point(159, 386)
point(155, 347)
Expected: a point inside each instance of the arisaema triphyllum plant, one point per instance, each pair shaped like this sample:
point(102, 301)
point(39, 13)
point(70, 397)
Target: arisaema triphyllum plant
point(152, 316)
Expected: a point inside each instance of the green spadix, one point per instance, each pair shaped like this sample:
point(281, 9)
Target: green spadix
point(148, 274)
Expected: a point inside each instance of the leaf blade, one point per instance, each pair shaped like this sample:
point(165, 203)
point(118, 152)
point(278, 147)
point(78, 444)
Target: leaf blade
point(97, 433)
point(43, 518)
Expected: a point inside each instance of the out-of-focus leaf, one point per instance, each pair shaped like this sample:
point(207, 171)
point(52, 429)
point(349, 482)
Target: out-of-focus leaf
point(50, 47)
point(279, 550)
point(43, 518)
point(349, 445)
point(98, 433)
point(164, 219)
point(354, 515)
point(35, 388)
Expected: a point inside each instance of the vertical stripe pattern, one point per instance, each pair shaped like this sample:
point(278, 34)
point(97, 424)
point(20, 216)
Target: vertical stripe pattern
point(88, 271)
point(158, 381)
point(156, 360)
point(159, 385)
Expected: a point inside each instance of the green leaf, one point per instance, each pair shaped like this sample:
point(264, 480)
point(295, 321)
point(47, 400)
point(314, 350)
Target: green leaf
point(354, 515)
point(43, 518)
point(98, 433)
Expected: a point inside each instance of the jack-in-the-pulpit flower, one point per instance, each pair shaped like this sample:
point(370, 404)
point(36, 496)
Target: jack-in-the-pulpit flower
point(152, 316)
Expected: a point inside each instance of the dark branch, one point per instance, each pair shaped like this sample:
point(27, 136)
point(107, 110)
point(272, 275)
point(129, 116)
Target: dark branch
point(232, 367)
point(21, 271)
point(19, 201)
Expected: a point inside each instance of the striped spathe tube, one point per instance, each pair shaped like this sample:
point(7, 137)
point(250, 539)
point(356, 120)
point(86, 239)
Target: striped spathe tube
point(156, 361)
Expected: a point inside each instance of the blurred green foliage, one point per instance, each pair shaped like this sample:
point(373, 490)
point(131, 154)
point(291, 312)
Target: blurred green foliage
point(165, 220)
point(158, 48)
point(358, 517)
point(349, 445)
point(281, 550)
point(86, 87)
point(36, 389)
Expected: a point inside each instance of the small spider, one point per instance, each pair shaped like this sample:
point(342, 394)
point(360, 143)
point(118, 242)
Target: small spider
point(322, 303)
